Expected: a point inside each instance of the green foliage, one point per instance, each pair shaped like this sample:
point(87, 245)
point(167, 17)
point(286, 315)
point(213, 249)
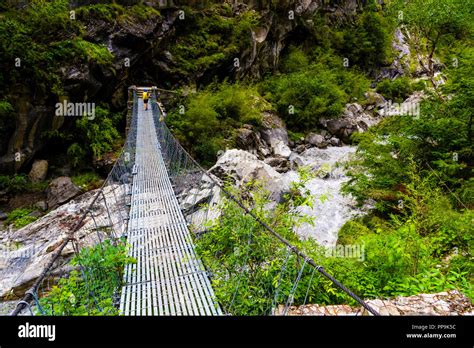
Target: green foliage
point(47, 40)
point(312, 92)
point(15, 183)
point(295, 61)
point(363, 39)
point(242, 255)
point(437, 140)
point(366, 42)
point(29, 34)
point(436, 20)
point(210, 37)
point(211, 117)
point(99, 134)
point(76, 154)
point(403, 256)
point(91, 285)
point(5, 107)
point(87, 51)
point(410, 251)
point(20, 217)
point(295, 136)
point(87, 181)
point(399, 89)
point(90, 137)
point(434, 25)
point(142, 12)
point(115, 12)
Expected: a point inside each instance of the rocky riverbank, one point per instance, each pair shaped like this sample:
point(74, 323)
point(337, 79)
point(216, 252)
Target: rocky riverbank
point(443, 303)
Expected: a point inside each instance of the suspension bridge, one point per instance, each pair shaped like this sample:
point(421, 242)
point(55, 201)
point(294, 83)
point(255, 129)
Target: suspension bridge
point(157, 197)
point(168, 278)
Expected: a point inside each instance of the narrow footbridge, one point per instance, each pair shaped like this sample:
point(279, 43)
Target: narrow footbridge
point(168, 278)
point(158, 199)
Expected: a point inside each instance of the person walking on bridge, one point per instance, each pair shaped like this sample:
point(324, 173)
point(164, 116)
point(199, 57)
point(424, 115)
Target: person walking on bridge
point(145, 98)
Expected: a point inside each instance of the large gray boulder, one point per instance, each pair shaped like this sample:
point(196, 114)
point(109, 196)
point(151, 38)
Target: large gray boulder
point(60, 191)
point(250, 140)
point(275, 135)
point(280, 149)
point(38, 171)
point(277, 140)
point(354, 119)
point(316, 140)
point(244, 167)
point(281, 164)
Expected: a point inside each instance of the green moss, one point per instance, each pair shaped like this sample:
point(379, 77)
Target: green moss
point(115, 12)
point(295, 136)
point(105, 12)
point(142, 12)
point(20, 217)
point(87, 181)
point(95, 52)
point(351, 230)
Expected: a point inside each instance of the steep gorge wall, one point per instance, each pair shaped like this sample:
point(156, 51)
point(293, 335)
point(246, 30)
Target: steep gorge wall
point(145, 45)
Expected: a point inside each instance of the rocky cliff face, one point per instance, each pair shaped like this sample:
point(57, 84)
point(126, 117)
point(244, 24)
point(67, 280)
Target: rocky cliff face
point(132, 44)
point(290, 23)
point(142, 56)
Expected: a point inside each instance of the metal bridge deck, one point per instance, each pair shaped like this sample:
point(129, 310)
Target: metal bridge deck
point(168, 278)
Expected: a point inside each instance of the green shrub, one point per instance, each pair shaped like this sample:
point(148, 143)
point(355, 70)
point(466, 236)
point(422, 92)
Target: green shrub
point(210, 37)
point(105, 12)
point(295, 136)
point(366, 44)
point(244, 259)
point(77, 154)
point(213, 115)
point(295, 61)
point(438, 142)
point(87, 181)
point(91, 51)
point(91, 285)
point(363, 39)
point(5, 107)
point(399, 89)
point(100, 134)
point(320, 90)
point(20, 217)
point(399, 256)
point(351, 231)
point(14, 184)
